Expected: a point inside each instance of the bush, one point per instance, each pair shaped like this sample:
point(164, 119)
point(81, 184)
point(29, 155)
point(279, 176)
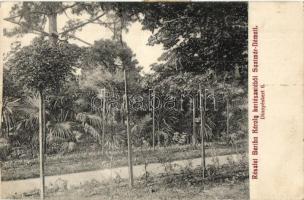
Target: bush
point(5, 148)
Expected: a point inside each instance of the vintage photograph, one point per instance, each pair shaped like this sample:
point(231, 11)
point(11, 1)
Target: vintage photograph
point(124, 100)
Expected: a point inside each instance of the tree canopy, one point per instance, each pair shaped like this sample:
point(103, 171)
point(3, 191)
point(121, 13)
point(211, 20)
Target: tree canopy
point(41, 66)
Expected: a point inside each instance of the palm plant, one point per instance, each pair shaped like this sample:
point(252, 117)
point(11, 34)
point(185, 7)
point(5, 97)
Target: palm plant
point(166, 120)
point(60, 127)
point(29, 110)
point(8, 115)
point(141, 128)
point(20, 118)
point(116, 138)
point(59, 124)
point(91, 124)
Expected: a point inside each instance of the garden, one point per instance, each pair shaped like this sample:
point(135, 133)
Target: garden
point(72, 106)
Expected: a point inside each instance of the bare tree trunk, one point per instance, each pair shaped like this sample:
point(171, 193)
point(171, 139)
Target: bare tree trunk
point(41, 143)
point(227, 113)
point(158, 135)
point(103, 119)
point(53, 28)
point(202, 113)
point(127, 115)
point(153, 120)
point(44, 130)
point(112, 126)
point(128, 133)
point(193, 121)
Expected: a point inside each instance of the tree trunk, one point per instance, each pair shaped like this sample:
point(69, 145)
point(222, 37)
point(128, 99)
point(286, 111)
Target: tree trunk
point(127, 115)
point(202, 113)
point(103, 119)
point(158, 135)
point(227, 113)
point(128, 132)
point(42, 136)
point(53, 28)
point(44, 130)
point(41, 143)
point(193, 121)
point(153, 120)
point(1, 96)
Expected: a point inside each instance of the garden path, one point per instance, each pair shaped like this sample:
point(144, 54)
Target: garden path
point(9, 188)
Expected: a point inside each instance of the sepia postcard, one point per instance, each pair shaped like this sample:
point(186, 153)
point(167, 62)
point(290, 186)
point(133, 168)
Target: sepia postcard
point(159, 100)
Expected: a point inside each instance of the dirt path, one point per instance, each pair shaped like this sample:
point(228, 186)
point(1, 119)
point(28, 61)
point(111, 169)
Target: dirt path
point(8, 188)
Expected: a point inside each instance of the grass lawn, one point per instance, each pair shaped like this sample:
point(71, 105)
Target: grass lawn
point(95, 160)
point(226, 182)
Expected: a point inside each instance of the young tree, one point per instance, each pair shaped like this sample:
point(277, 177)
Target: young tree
point(119, 19)
point(43, 68)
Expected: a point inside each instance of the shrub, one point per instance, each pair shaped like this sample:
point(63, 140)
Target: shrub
point(5, 148)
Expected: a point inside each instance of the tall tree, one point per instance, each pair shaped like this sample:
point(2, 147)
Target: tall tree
point(32, 17)
point(200, 37)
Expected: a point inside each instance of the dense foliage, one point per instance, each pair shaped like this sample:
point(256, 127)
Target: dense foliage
point(204, 44)
point(42, 66)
